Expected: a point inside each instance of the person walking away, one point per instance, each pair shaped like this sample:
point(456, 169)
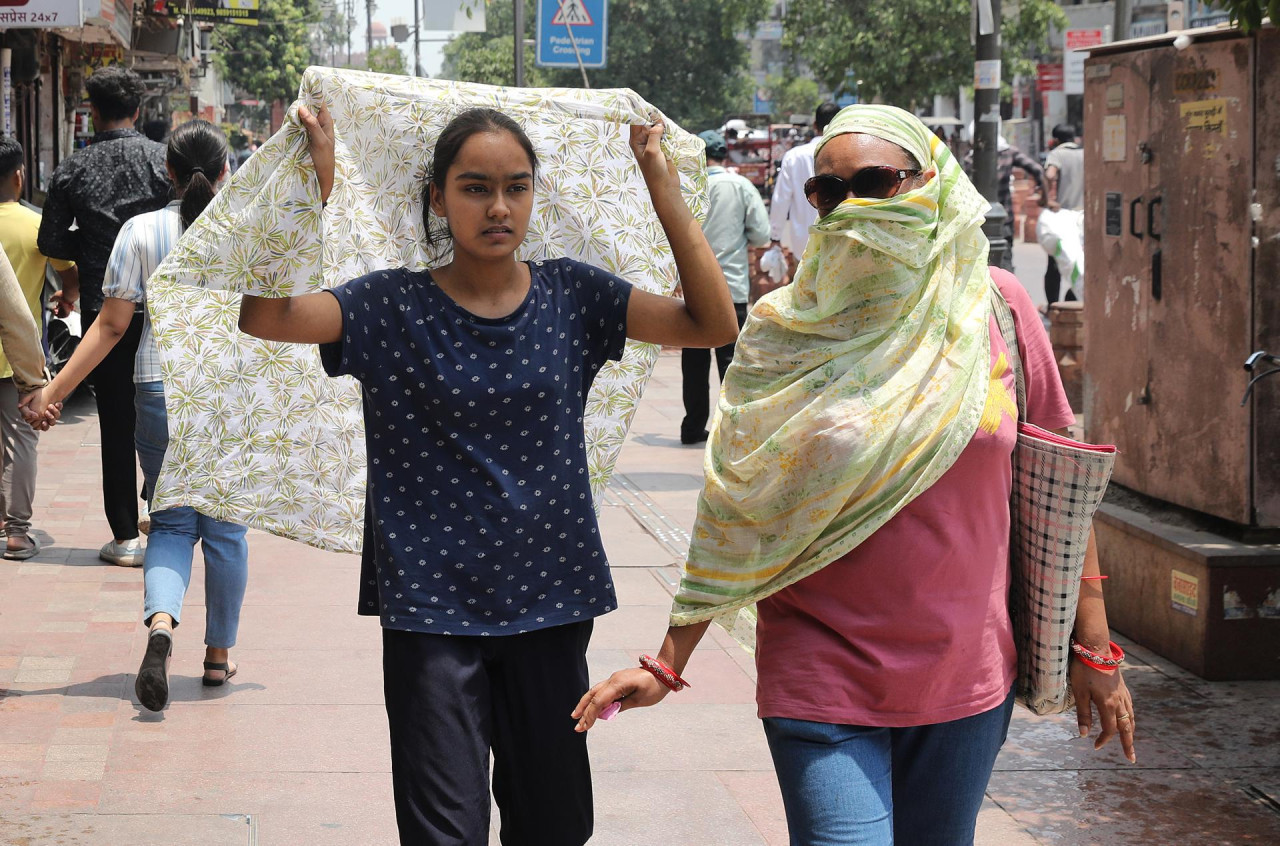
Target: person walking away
point(736, 218)
point(19, 228)
point(790, 214)
point(20, 337)
point(482, 552)
point(857, 492)
point(1064, 178)
point(197, 159)
point(119, 175)
point(1009, 156)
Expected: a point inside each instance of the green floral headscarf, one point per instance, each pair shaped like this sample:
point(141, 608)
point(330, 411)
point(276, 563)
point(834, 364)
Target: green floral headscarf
point(853, 389)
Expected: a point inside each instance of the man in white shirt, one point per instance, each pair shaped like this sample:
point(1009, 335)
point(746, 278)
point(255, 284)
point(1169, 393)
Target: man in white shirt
point(790, 214)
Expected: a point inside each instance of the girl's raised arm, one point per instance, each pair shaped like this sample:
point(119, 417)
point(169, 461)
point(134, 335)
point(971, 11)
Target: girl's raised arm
point(320, 141)
point(310, 318)
point(705, 317)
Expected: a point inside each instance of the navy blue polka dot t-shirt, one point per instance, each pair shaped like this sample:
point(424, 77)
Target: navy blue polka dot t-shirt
point(478, 517)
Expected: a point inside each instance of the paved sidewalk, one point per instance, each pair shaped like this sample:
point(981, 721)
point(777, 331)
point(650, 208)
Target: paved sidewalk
point(294, 749)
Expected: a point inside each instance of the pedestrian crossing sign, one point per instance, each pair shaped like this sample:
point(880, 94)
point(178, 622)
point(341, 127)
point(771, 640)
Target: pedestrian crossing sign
point(572, 32)
point(571, 12)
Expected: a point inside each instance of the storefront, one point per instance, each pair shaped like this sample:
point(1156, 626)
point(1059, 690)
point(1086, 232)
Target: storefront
point(53, 46)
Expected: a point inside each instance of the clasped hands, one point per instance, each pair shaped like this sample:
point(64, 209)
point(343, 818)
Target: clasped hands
point(38, 411)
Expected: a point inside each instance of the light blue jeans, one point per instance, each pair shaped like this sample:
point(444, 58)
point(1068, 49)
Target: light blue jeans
point(166, 570)
point(869, 786)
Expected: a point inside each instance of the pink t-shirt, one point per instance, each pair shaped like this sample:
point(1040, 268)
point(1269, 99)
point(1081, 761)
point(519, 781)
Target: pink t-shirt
point(912, 627)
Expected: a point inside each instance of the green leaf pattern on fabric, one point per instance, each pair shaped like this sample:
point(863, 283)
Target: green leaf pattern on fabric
point(258, 434)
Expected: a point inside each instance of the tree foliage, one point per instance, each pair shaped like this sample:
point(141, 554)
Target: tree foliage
point(907, 51)
point(388, 60)
point(1249, 13)
point(267, 60)
point(681, 56)
point(792, 95)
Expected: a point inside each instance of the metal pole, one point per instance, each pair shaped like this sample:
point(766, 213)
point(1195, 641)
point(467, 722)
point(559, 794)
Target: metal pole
point(519, 42)
point(986, 110)
point(368, 30)
point(1123, 14)
point(568, 27)
point(417, 56)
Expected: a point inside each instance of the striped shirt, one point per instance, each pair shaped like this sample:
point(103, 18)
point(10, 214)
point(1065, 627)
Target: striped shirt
point(142, 244)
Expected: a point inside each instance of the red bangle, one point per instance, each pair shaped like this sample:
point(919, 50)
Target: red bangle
point(1100, 668)
point(1106, 663)
point(669, 677)
point(1092, 578)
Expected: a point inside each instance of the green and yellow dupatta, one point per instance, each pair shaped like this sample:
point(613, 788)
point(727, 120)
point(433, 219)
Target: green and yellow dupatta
point(853, 389)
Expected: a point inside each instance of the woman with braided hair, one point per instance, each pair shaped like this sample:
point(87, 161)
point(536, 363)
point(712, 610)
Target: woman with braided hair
point(197, 162)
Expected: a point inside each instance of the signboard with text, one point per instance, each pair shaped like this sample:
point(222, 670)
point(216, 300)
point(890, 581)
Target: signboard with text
point(243, 12)
point(1049, 77)
point(1073, 62)
point(40, 14)
point(572, 32)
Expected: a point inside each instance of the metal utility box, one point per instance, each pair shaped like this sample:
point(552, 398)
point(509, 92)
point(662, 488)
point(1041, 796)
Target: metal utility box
point(1182, 258)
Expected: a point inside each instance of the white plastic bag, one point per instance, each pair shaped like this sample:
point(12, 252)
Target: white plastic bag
point(1061, 234)
point(774, 263)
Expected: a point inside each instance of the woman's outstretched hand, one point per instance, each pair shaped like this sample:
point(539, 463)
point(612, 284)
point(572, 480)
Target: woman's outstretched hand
point(634, 687)
point(659, 172)
point(320, 143)
point(1108, 693)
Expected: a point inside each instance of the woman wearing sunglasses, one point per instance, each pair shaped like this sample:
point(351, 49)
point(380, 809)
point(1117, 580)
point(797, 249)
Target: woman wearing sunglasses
point(857, 494)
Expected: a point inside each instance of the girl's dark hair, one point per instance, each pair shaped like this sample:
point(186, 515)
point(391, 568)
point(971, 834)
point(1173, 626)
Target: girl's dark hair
point(197, 154)
point(455, 134)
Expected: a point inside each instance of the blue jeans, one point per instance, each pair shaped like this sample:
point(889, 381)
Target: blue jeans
point(869, 786)
point(166, 570)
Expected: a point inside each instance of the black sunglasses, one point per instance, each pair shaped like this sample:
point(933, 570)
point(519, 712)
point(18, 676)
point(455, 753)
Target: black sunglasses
point(877, 182)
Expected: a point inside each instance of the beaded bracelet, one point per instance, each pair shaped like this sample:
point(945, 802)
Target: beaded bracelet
point(1105, 663)
point(669, 677)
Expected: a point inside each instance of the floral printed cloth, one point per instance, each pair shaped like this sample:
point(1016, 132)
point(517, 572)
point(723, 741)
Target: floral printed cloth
point(258, 434)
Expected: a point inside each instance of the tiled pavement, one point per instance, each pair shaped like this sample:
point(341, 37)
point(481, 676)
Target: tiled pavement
point(294, 749)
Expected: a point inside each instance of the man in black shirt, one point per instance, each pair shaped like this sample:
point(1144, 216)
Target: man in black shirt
point(119, 175)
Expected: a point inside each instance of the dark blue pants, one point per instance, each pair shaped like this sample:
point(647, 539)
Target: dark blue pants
point(869, 786)
point(695, 370)
point(112, 382)
point(452, 699)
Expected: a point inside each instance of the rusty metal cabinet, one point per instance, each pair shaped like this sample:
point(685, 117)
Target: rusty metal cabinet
point(1182, 257)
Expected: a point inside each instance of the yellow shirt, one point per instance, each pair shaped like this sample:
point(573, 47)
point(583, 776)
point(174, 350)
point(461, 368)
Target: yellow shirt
point(19, 227)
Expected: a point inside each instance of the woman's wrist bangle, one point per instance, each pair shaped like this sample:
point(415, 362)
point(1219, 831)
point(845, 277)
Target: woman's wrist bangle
point(1106, 663)
point(669, 677)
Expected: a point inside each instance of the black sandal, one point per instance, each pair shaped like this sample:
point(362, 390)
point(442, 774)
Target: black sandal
point(152, 684)
point(218, 666)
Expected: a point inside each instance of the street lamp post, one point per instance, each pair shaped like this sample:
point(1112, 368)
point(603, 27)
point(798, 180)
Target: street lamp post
point(986, 107)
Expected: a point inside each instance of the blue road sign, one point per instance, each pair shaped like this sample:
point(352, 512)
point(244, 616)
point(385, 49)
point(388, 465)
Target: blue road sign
point(587, 20)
